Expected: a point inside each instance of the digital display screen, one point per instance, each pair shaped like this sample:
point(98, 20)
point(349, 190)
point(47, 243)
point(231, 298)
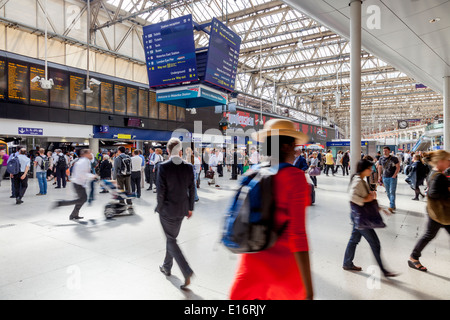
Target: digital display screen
point(134, 122)
point(223, 56)
point(143, 103)
point(153, 106)
point(93, 99)
point(18, 82)
point(3, 81)
point(170, 51)
point(38, 96)
point(107, 97)
point(132, 101)
point(172, 112)
point(120, 99)
point(59, 94)
point(77, 99)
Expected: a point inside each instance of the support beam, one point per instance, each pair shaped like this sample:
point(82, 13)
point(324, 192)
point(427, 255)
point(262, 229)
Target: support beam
point(355, 83)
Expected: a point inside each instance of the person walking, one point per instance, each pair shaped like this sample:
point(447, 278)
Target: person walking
point(329, 162)
point(345, 163)
point(158, 160)
point(42, 164)
point(416, 176)
point(136, 172)
point(360, 194)
point(20, 179)
point(81, 177)
point(388, 169)
point(61, 164)
point(122, 172)
point(175, 201)
point(3, 164)
point(438, 191)
point(213, 163)
point(281, 272)
point(339, 157)
point(314, 169)
point(105, 171)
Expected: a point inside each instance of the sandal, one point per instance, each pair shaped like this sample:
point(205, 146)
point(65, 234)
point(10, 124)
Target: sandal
point(416, 265)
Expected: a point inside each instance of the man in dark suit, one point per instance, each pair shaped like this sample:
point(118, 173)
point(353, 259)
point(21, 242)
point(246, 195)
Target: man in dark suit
point(175, 200)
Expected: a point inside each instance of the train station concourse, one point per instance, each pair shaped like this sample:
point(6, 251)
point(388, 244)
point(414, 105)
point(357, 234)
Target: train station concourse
point(225, 150)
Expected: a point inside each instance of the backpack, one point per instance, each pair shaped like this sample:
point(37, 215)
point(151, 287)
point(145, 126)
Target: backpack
point(125, 165)
point(61, 163)
point(13, 166)
point(249, 222)
point(45, 164)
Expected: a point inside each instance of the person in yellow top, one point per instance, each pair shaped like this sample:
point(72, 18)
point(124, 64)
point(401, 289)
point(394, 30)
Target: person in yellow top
point(329, 162)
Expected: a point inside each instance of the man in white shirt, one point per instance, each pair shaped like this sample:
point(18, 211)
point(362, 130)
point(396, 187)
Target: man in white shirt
point(81, 176)
point(136, 173)
point(21, 179)
point(254, 157)
point(213, 163)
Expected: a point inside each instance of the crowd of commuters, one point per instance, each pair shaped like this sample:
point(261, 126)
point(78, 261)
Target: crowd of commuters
point(175, 177)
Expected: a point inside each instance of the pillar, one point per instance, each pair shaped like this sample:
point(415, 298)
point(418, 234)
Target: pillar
point(355, 84)
point(94, 145)
point(447, 113)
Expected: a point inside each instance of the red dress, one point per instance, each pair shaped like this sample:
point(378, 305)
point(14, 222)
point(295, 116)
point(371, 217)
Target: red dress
point(273, 274)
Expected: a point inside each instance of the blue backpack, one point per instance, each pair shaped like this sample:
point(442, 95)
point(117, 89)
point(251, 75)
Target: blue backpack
point(13, 166)
point(249, 222)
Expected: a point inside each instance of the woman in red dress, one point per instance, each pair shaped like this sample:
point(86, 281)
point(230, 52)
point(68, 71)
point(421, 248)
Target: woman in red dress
point(281, 272)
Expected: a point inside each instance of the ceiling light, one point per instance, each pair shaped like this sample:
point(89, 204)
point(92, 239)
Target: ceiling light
point(434, 20)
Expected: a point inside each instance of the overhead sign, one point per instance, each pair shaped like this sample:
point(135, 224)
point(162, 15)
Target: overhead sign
point(170, 51)
point(191, 96)
point(223, 56)
point(31, 131)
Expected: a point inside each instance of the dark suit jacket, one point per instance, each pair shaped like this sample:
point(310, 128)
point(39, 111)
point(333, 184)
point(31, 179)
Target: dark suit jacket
point(175, 188)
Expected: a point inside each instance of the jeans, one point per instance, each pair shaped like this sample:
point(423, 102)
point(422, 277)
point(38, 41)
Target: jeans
point(372, 239)
point(432, 229)
point(42, 180)
point(391, 187)
point(195, 182)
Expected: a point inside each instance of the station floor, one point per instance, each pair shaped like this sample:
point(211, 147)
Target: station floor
point(44, 255)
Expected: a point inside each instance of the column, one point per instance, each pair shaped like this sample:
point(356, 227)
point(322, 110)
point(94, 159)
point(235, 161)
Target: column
point(355, 84)
point(94, 145)
point(447, 113)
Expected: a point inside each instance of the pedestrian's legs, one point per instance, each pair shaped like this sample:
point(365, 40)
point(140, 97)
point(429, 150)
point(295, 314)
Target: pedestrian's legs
point(314, 180)
point(171, 229)
point(195, 182)
point(41, 178)
point(82, 198)
point(355, 238)
point(387, 185)
point(372, 238)
point(432, 229)
point(393, 192)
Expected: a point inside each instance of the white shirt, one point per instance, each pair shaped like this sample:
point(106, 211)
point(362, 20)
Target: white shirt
point(254, 158)
point(81, 173)
point(136, 163)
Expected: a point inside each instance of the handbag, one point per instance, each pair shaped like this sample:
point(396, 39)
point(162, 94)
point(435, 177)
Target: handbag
point(314, 171)
point(439, 209)
point(209, 174)
point(368, 216)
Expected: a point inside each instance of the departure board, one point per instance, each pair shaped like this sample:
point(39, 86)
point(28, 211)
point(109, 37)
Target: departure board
point(18, 82)
point(3, 80)
point(107, 97)
point(143, 103)
point(120, 99)
point(59, 94)
point(162, 111)
point(153, 106)
point(170, 51)
point(77, 99)
point(223, 56)
point(38, 96)
point(93, 99)
point(172, 112)
point(132, 101)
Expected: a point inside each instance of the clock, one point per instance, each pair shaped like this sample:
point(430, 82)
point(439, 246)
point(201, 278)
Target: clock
point(402, 124)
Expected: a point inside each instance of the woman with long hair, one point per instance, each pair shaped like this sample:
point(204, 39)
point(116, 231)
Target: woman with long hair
point(283, 270)
point(438, 190)
point(360, 194)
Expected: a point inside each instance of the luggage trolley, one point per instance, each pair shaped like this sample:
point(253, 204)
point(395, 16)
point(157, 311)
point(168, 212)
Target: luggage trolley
point(114, 208)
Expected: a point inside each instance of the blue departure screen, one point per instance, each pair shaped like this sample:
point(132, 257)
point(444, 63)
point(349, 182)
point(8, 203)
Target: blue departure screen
point(223, 56)
point(170, 51)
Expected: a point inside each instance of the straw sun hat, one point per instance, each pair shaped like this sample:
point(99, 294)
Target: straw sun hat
point(280, 127)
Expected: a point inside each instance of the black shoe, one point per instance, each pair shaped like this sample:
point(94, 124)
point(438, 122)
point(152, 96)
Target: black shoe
point(19, 201)
point(163, 270)
point(352, 268)
point(187, 281)
point(75, 217)
point(417, 199)
point(57, 187)
point(148, 189)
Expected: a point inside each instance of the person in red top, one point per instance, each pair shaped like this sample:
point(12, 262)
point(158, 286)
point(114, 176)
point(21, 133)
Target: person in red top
point(281, 272)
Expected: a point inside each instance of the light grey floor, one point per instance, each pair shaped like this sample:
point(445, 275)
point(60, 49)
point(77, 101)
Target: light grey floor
point(43, 255)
